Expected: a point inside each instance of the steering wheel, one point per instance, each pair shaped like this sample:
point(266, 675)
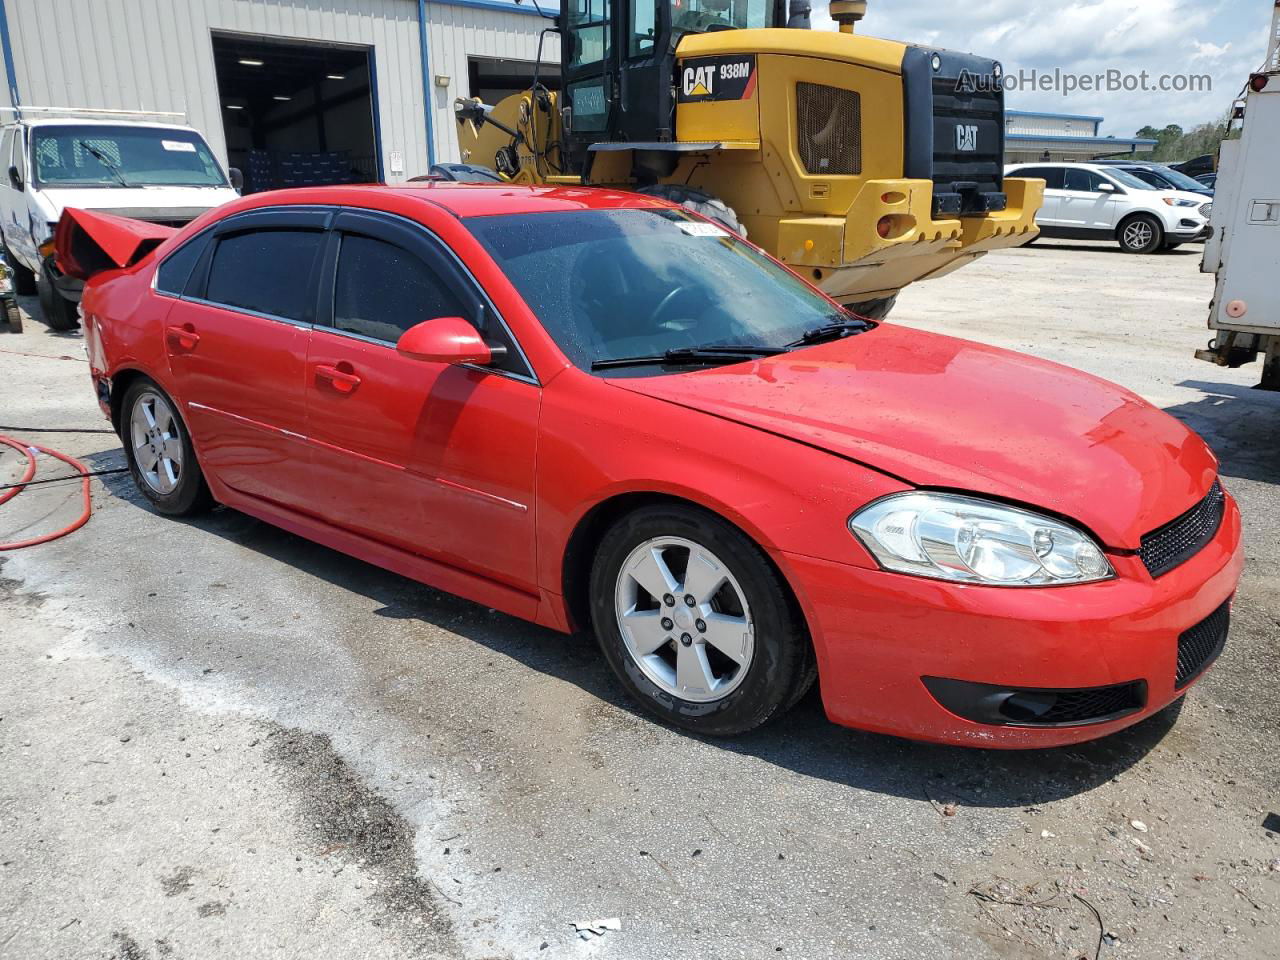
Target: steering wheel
point(666, 302)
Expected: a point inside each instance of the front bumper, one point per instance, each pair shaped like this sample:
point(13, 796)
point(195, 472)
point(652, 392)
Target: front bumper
point(878, 635)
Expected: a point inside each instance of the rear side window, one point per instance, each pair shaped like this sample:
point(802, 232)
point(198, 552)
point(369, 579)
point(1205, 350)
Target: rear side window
point(176, 269)
point(266, 271)
point(1052, 176)
point(382, 290)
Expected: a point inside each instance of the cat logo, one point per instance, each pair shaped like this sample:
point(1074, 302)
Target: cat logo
point(967, 137)
point(698, 81)
point(705, 79)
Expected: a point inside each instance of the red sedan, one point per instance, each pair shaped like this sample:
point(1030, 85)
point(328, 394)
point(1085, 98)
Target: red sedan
point(595, 411)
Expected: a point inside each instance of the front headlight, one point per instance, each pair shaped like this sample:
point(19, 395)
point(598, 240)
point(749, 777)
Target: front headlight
point(964, 539)
point(1179, 202)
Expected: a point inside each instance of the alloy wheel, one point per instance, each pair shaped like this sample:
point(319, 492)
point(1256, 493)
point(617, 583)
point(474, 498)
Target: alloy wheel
point(157, 444)
point(684, 619)
point(1138, 235)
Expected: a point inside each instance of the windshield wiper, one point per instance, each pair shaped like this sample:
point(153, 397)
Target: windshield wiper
point(690, 356)
point(103, 159)
point(840, 326)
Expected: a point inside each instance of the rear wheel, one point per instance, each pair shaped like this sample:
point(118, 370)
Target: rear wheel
point(59, 312)
point(1141, 234)
point(158, 449)
point(24, 281)
point(696, 623)
point(13, 315)
point(699, 201)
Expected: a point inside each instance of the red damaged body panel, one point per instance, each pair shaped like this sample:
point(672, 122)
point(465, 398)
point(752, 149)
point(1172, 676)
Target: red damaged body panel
point(87, 243)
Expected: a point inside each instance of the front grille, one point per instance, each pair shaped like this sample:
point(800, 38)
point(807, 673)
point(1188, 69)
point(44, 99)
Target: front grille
point(1177, 542)
point(1201, 645)
point(829, 129)
point(1090, 706)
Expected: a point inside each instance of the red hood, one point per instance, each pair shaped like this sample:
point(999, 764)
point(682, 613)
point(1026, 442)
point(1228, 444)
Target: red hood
point(940, 412)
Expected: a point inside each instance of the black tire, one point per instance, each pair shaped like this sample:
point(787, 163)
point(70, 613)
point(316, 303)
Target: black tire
point(59, 312)
point(1134, 239)
point(874, 309)
point(700, 202)
point(24, 281)
point(13, 315)
point(191, 495)
point(782, 667)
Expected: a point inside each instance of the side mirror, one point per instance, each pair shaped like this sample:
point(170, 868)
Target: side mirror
point(15, 178)
point(237, 179)
point(1106, 187)
point(445, 340)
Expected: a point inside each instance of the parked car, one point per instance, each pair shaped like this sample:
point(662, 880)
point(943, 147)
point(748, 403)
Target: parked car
point(594, 410)
point(1160, 176)
point(149, 171)
point(1088, 201)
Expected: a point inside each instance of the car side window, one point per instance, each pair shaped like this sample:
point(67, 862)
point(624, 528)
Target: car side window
point(1052, 176)
point(381, 290)
point(20, 153)
point(266, 271)
point(175, 271)
point(1084, 181)
point(6, 150)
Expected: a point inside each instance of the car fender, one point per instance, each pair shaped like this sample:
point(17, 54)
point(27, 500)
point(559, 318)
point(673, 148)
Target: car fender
point(787, 496)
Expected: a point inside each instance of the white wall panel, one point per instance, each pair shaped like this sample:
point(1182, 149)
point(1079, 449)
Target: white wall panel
point(157, 55)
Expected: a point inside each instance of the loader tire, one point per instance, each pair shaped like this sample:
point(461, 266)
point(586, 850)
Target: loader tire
point(874, 309)
point(699, 201)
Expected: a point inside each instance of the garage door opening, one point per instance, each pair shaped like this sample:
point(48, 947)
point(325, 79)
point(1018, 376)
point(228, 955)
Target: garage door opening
point(492, 80)
point(297, 113)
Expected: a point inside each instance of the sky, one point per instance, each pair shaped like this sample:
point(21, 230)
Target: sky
point(1224, 39)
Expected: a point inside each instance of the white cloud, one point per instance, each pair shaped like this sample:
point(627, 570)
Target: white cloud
point(1224, 39)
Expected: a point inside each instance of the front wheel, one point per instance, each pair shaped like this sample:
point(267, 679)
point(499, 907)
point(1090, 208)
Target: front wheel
point(158, 449)
point(696, 623)
point(24, 281)
point(1141, 234)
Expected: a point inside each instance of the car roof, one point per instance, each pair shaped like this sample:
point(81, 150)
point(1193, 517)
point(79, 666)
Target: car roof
point(97, 122)
point(460, 199)
point(491, 199)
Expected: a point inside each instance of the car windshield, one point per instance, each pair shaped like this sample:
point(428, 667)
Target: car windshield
point(1179, 180)
point(614, 284)
point(100, 155)
point(1128, 179)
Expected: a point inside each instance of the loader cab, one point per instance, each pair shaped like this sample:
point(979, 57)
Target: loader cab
point(619, 63)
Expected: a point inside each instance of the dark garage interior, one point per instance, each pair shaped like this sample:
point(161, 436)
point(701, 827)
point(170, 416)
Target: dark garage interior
point(297, 113)
point(492, 79)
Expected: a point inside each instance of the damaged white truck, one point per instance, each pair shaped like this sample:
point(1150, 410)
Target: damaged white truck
point(112, 163)
point(1244, 250)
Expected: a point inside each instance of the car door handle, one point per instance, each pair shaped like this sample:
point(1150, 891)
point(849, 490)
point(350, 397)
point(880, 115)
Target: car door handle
point(182, 337)
point(342, 381)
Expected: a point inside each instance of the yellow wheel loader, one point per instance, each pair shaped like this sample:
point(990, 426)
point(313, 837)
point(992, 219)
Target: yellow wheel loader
point(863, 164)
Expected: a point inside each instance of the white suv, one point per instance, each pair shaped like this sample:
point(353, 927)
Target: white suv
point(1086, 201)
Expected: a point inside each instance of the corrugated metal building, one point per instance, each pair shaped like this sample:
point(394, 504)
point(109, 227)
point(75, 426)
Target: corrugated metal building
point(1063, 136)
point(366, 85)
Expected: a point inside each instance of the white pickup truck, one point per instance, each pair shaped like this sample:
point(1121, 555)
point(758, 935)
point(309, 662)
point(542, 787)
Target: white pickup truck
point(1244, 251)
point(163, 173)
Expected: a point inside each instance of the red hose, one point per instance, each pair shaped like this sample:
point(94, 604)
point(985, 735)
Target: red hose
point(30, 471)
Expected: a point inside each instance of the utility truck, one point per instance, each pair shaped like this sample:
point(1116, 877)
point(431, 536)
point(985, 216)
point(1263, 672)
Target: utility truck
point(113, 161)
point(1244, 251)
